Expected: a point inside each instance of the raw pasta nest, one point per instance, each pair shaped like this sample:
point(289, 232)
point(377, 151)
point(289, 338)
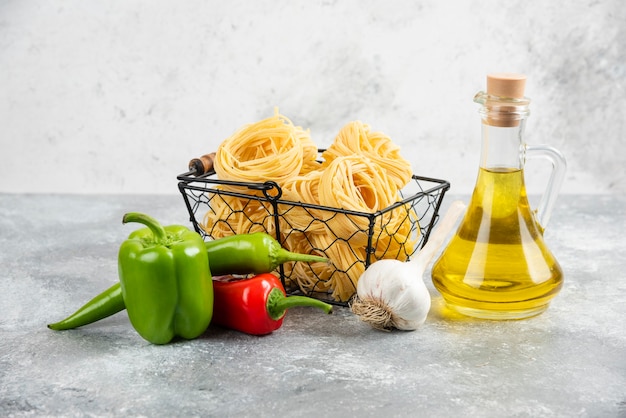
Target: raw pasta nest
point(361, 173)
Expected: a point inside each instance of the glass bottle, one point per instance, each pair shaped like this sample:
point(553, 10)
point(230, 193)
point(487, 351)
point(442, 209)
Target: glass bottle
point(497, 265)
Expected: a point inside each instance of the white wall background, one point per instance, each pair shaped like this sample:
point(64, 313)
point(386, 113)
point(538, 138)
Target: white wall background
point(116, 96)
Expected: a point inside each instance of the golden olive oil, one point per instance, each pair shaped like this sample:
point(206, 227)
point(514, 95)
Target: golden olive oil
point(497, 265)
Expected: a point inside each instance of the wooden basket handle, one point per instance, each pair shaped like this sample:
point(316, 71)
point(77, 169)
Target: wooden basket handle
point(203, 164)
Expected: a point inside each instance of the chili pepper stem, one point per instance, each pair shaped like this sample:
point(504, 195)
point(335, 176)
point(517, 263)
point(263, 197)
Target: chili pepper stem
point(278, 304)
point(283, 254)
point(157, 229)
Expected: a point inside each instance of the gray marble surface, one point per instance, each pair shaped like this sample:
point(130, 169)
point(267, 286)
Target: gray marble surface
point(56, 251)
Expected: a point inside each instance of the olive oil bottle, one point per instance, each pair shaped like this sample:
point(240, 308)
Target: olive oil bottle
point(497, 265)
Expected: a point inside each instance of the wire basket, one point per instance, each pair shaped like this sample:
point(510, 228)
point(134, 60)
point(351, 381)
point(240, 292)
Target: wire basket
point(369, 237)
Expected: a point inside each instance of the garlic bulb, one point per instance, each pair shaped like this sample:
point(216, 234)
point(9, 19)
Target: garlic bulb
point(391, 293)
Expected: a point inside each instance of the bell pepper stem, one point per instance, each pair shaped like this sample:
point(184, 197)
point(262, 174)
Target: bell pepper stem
point(157, 229)
point(278, 304)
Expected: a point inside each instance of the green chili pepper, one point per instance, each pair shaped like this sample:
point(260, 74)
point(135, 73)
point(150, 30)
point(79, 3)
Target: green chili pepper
point(251, 253)
point(104, 305)
point(165, 279)
point(254, 253)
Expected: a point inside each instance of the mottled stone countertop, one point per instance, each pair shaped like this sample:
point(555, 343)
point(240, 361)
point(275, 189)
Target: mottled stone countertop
point(57, 251)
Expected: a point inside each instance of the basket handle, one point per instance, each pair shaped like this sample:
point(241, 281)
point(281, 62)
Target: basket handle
point(203, 164)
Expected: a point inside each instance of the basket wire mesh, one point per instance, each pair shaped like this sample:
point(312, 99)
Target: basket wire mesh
point(261, 208)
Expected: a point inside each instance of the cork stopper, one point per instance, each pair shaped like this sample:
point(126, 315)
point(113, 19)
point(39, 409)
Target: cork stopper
point(501, 89)
point(506, 85)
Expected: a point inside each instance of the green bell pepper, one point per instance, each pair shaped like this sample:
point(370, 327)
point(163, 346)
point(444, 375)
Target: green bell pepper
point(165, 280)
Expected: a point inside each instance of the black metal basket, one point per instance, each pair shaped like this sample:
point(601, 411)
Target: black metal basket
point(419, 201)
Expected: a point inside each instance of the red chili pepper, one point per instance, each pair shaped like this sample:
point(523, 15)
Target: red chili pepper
point(256, 305)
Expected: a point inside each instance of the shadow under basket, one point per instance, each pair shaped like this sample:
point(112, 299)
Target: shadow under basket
point(351, 240)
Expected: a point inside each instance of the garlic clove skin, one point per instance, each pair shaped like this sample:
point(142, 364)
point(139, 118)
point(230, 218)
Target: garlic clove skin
point(373, 281)
point(412, 305)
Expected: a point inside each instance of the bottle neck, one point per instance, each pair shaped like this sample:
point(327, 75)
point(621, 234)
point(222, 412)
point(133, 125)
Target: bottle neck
point(502, 148)
point(503, 122)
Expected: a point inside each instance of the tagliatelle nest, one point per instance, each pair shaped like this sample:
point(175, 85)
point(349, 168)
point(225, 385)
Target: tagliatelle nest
point(362, 173)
